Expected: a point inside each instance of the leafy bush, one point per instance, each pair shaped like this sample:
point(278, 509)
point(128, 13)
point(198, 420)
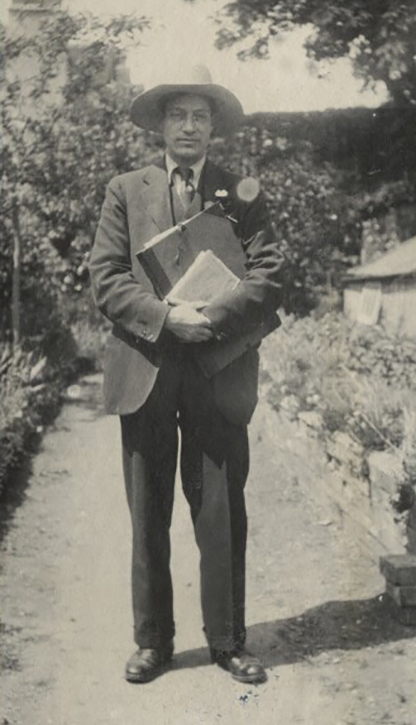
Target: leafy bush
point(322, 204)
point(61, 146)
point(33, 376)
point(316, 233)
point(359, 378)
point(65, 134)
point(374, 353)
point(90, 342)
point(29, 399)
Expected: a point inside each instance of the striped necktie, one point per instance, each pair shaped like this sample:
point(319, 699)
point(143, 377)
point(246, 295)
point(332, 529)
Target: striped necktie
point(184, 186)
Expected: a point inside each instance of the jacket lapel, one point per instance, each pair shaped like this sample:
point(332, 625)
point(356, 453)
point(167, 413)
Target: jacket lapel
point(157, 197)
point(212, 180)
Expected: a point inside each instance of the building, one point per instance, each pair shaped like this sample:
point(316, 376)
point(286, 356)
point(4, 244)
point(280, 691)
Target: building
point(384, 291)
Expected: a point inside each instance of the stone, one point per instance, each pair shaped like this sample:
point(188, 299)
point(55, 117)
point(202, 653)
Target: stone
point(403, 596)
point(290, 403)
point(405, 615)
point(385, 471)
point(345, 441)
point(311, 418)
point(399, 569)
point(345, 450)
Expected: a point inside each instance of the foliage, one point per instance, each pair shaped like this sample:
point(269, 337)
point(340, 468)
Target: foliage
point(65, 134)
point(317, 231)
point(31, 391)
point(377, 35)
point(373, 353)
point(90, 342)
point(35, 373)
point(359, 378)
point(323, 204)
point(58, 160)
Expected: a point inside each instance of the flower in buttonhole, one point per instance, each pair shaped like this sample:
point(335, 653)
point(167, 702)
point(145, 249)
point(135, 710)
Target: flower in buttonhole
point(221, 194)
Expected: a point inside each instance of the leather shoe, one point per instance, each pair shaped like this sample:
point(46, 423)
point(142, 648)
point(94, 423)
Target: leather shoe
point(146, 664)
point(242, 665)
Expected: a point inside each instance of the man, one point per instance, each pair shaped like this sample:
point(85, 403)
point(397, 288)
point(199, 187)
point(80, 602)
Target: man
point(153, 382)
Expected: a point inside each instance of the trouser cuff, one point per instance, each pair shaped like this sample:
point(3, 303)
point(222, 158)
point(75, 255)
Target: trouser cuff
point(225, 643)
point(156, 640)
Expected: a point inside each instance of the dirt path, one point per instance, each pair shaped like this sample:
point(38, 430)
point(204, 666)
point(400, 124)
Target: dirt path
point(314, 609)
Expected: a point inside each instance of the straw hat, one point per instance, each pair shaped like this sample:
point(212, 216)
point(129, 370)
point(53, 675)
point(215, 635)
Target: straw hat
point(147, 108)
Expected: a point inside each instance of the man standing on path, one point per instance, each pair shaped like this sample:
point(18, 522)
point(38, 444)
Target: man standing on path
point(154, 384)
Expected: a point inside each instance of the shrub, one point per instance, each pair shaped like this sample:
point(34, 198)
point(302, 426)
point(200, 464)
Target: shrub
point(90, 342)
point(358, 378)
point(32, 381)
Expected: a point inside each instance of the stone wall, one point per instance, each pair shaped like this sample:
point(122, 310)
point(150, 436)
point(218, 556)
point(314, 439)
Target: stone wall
point(365, 486)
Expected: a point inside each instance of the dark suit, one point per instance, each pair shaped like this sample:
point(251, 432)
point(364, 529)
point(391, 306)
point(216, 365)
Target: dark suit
point(153, 383)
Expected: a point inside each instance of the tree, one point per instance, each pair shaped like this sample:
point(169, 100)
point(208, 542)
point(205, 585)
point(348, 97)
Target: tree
point(378, 35)
point(65, 134)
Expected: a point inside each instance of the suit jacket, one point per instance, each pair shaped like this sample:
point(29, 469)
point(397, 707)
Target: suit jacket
point(138, 206)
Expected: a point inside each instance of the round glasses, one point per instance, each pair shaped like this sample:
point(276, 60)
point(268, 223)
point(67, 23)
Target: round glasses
point(179, 117)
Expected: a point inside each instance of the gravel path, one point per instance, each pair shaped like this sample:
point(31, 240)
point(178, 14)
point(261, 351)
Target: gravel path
point(314, 607)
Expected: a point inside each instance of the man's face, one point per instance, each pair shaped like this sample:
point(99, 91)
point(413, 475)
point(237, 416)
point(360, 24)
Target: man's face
point(187, 127)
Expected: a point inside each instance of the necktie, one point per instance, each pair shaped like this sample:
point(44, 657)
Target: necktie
point(184, 185)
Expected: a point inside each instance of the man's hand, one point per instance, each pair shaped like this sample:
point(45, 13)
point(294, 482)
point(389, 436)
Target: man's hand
point(188, 324)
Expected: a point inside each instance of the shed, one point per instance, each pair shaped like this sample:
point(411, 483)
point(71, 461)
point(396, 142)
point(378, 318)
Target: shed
point(385, 291)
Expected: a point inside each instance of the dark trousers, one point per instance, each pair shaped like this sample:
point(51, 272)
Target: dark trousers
point(214, 468)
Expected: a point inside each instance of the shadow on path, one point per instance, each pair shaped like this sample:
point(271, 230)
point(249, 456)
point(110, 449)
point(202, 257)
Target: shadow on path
point(349, 625)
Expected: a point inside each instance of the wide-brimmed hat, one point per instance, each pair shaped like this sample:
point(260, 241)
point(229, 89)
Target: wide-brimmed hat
point(147, 108)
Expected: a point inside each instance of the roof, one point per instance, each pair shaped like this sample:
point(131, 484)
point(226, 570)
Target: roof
point(399, 262)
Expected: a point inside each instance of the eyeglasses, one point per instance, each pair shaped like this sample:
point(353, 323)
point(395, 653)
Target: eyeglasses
point(179, 117)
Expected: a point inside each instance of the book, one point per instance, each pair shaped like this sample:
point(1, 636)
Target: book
point(167, 256)
point(206, 279)
point(203, 257)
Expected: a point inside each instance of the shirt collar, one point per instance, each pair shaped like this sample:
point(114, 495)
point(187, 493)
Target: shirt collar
point(171, 165)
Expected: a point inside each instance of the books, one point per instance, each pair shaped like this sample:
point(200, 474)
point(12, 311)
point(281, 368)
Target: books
point(167, 256)
point(199, 260)
point(206, 279)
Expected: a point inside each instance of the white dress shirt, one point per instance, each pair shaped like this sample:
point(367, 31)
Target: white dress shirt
point(171, 165)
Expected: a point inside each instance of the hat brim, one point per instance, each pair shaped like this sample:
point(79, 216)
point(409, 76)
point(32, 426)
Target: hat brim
point(147, 108)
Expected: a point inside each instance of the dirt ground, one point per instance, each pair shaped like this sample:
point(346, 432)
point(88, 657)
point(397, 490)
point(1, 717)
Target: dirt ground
point(315, 610)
